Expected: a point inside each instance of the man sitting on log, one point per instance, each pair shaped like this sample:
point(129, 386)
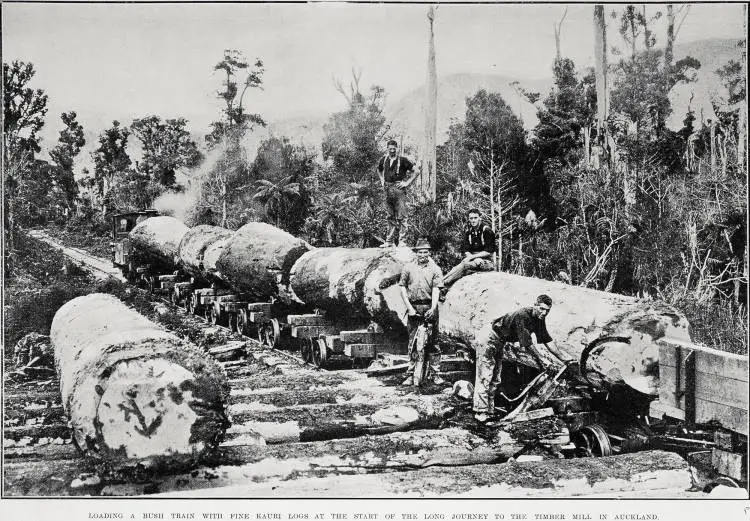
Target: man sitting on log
point(517, 326)
point(396, 174)
point(420, 288)
point(477, 247)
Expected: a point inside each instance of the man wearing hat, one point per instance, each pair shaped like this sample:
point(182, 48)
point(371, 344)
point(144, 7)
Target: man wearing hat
point(516, 326)
point(420, 283)
point(396, 174)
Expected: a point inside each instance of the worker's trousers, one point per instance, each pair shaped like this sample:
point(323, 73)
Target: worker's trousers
point(396, 214)
point(489, 352)
point(432, 350)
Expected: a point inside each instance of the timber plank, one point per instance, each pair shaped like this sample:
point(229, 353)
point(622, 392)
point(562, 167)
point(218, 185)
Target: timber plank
point(732, 418)
point(716, 388)
point(732, 464)
point(669, 387)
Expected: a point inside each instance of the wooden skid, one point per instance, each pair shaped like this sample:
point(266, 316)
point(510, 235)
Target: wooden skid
point(732, 464)
point(312, 331)
point(255, 317)
point(361, 350)
point(361, 337)
point(308, 320)
point(260, 307)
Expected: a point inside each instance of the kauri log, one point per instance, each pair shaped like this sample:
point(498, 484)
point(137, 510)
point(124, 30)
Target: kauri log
point(194, 246)
point(157, 239)
point(656, 473)
point(133, 391)
point(252, 256)
point(578, 317)
point(347, 282)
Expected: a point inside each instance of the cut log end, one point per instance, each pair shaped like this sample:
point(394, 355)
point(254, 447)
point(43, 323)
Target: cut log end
point(149, 409)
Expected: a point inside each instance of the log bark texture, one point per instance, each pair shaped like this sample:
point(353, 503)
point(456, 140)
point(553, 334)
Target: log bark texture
point(346, 282)
point(133, 391)
point(157, 239)
point(194, 246)
point(253, 249)
point(578, 317)
point(614, 476)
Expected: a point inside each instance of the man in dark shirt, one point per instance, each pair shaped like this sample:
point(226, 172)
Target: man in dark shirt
point(477, 246)
point(517, 326)
point(396, 175)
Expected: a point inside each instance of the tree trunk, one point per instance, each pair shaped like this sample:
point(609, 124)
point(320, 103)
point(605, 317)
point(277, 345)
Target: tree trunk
point(347, 282)
point(742, 123)
point(254, 255)
point(132, 390)
point(713, 147)
point(157, 239)
point(196, 244)
point(643, 472)
point(429, 174)
point(600, 67)
point(669, 49)
point(578, 317)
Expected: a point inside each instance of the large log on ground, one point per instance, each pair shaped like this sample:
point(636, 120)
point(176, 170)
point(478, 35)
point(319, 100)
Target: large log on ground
point(252, 251)
point(318, 422)
point(579, 317)
point(157, 239)
point(133, 391)
point(299, 461)
point(660, 474)
point(347, 282)
point(196, 243)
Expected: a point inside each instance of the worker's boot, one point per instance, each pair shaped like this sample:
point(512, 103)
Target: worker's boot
point(435, 369)
point(402, 243)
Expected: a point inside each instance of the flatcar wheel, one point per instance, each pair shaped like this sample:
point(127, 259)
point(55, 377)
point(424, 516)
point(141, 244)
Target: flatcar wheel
point(242, 326)
point(215, 316)
point(307, 349)
point(269, 333)
point(592, 441)
point(192, 305)
point(232, 322)
point(724, 481)
point(320, 353)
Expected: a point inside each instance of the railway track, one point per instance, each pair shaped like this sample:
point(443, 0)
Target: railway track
point(310, 432)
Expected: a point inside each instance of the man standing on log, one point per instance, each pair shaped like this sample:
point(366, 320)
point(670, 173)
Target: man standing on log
point(517, 326)
point(420, 288)
point(396, 174)
point(477, 247)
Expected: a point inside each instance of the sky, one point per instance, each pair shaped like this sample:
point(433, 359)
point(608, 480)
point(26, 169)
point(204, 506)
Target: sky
point(123, 61)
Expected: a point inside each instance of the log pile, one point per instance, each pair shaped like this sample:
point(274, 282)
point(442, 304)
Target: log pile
point(626, 329)
point(347, 282)
point(157, 239)
point(254, 254)
point(133, 391)
point(197, 243)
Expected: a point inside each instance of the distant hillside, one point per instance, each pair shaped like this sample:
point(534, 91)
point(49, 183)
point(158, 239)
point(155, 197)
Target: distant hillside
point(696, 96)
point(406, 115)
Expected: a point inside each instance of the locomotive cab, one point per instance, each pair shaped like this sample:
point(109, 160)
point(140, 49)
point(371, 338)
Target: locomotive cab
point(122, 224)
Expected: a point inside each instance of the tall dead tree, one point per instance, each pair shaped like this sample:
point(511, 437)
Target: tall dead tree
point(673, 31)
point(429, 174)
point(742, 124)
point(600, 67)
point(558, 30)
